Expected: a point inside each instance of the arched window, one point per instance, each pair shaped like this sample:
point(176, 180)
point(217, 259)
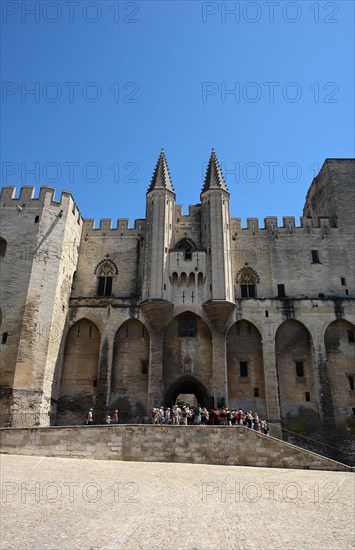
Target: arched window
point(187, 327)
point(3, 246)
point(187, 246)
point(248, 284)
point(105, 280)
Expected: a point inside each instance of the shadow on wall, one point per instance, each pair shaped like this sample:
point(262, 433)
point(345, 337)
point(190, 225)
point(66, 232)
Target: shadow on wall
point(302, 420)
point(128, 412)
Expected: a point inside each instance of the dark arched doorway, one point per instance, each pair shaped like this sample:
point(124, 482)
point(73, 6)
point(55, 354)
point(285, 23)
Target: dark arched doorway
point(188, 384)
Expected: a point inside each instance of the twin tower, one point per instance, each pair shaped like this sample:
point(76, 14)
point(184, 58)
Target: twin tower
point(188, 249)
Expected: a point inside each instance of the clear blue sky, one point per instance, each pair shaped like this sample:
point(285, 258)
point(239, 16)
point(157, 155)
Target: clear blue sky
point(116, 81)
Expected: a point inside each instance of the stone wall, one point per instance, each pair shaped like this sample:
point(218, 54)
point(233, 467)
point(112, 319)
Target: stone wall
point(37, 270)
point(66, 346)
point(332, 194)
point(146, 443)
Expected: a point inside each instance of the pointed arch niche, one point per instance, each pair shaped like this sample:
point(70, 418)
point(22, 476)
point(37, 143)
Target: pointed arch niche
point(340, 348)
point(295, 370)
point(245, 371)
point(79, 372)
point(187, 350)
point(130, 366)
point(187, 246)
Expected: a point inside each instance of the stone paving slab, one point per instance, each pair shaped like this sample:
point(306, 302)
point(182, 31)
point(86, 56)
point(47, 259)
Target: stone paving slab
point(73, 504)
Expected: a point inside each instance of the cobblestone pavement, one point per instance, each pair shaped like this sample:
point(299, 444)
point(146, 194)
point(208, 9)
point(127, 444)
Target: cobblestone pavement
point(69, 504)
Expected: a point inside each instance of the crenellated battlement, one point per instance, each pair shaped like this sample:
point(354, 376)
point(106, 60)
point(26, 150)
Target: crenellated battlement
point(46, 197)
point(271, 226)
point(120, 229)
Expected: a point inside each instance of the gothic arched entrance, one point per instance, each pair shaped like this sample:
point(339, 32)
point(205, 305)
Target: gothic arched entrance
point(188, 385)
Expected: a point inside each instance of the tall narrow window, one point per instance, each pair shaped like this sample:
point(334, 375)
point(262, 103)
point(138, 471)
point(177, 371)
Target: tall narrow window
point(243, 368)
point(350, 336)
point(343, 282)
point(307, 396)
point(315, 256)
point(351, 382)
point(105, 281)
point(299, 369)
point(281, 291)
point(144, 366)
point(3, 246)
point(188, 254)
point(247, 284)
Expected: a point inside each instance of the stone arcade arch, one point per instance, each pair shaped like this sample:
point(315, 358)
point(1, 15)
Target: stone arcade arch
point(245, 371)
point(340, 349)
point(296, 378)
point(79, 372)
point(187, 350)
point(129, 377)
point(188, 384)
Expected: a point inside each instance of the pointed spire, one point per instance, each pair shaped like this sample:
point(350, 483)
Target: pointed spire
point(214, 178)
point(161, 177)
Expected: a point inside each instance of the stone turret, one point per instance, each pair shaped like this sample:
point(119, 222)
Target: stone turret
point(36, 275)
point(160, 205)
point(215, 222)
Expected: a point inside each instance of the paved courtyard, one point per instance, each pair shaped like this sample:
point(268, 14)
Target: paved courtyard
point(72, 504)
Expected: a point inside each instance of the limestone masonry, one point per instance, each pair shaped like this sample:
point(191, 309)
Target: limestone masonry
point(256, 317)
point(238, 446)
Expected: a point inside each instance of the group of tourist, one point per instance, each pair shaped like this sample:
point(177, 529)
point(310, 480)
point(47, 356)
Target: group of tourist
point(186, 415)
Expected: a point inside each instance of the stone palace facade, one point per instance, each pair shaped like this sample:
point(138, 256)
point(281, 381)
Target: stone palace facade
point(128, 318)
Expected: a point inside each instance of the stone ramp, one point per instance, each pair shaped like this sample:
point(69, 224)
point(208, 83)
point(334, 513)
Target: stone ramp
point(222, 445)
